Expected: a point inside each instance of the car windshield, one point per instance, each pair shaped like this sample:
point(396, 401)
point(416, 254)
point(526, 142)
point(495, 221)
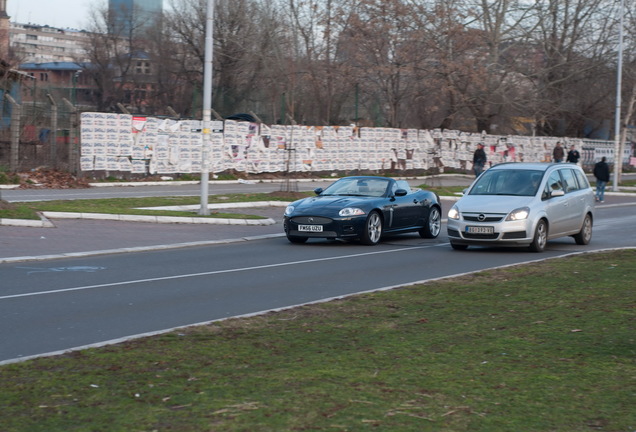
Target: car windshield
point(507, 182)
point(358, 187)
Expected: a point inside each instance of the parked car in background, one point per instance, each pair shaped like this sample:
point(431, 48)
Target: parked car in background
point(523, 204)
point(365, 208)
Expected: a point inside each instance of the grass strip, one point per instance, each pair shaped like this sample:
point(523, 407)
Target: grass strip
point(29, 210)
point(547, 346)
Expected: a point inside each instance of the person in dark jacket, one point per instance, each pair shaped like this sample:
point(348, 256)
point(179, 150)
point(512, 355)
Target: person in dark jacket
point(558, 153)
point(602, 174)
point(573, 155)
point(479, 160)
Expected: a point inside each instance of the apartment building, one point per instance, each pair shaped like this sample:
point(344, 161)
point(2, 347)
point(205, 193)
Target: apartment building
point(33, 43)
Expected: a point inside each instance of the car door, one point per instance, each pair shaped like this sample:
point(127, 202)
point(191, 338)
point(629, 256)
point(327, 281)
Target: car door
point(405, 208)
point(575, 200)
point(556, 207)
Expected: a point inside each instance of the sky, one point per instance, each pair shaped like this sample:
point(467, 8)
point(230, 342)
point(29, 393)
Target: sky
point(55, 13)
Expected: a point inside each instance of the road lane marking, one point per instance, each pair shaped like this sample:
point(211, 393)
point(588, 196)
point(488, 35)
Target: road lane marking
point(210, 273)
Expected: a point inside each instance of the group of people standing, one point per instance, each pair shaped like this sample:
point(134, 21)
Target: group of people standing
point(601, 169)
point(558, 153)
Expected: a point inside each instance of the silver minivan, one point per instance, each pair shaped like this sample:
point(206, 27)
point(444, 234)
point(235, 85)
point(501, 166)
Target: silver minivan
point(523, 204)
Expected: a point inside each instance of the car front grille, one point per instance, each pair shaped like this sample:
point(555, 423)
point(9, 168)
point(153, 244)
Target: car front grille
point(481, 236)
point(486, 218)
point(514, 235)
point(311, 220)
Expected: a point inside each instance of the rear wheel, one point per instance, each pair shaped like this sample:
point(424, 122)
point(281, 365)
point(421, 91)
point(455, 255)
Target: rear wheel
point(433, 224)
point(540, 237)
point(585, 235)
point(372, 229)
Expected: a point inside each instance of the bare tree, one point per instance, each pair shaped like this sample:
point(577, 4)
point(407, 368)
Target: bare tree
point(571, 82)
point(113, 52)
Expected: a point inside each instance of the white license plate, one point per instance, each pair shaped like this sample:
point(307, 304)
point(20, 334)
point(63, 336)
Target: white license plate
point(480, 229)
point(310, 228)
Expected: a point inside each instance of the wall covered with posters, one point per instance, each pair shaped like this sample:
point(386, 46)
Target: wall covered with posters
point(147, 145)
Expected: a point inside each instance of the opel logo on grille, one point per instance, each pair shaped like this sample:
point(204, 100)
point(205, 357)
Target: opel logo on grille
point(310, 220)
point(481, 217)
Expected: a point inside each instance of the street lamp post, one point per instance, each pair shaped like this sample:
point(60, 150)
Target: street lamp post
point(618, 157)
point(207, 109)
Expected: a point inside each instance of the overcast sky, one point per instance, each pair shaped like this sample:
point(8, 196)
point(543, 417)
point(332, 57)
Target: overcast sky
point(55, 13)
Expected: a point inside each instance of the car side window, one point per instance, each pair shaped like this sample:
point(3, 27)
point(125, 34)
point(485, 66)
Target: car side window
point(394, 187)
point(403, 184)
point(554, 183)
point(583, 183)
point(570, 183)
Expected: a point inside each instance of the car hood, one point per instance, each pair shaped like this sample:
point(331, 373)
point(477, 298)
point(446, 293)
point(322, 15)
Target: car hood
point(492, 203)
point(328, 204)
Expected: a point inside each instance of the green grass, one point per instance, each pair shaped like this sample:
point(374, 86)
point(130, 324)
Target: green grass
point(28, 210)
point(444, 190)
point(547, 346)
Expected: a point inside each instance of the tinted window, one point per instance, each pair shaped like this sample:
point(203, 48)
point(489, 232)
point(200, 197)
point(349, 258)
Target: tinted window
point(508, 182)
point(554, 184)
point(570, 183)
point(580, 177)
point(401, 184)
point(358, 186)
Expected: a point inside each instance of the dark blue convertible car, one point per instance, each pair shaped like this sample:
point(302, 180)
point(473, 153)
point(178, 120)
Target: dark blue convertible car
point(364, 208)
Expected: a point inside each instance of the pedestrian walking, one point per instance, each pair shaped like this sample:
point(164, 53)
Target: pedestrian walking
point(558, 153)
point(479, 160)
point(602, 174)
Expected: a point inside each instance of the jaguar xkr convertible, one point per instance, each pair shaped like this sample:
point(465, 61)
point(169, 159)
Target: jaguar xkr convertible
point(363, 208)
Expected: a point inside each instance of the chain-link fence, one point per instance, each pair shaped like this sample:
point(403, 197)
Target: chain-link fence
point(42, 133)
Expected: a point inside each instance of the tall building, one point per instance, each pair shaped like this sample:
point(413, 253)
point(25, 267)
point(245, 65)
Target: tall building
point(128, 16)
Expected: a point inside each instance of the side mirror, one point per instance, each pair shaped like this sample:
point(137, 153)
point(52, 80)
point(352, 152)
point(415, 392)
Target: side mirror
point(400, 192)
point(318, 191)
point(556, 193)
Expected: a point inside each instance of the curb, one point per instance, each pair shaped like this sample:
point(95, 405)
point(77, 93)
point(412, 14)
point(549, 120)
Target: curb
point(158, 219)
point(44, 221)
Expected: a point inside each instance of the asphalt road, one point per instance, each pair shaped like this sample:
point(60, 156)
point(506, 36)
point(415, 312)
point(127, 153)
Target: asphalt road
point(113, 280)
point(55, 305)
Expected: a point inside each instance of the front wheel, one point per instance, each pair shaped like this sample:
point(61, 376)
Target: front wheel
point(372, 229)
point(585, 235)
point(433, 224)
point(540, 237)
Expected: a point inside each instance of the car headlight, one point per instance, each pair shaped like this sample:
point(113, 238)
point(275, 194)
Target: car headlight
point(289, 210)
point(350, 211)
point(453, 213)
point(518, 214)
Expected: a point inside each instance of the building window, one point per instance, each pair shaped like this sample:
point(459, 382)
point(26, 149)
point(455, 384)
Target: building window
point(143, 68)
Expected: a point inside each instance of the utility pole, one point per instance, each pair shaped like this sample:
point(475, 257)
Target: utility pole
point(207, 109)
point(618, 156)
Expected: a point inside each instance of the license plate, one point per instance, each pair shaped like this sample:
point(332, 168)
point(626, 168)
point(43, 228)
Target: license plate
point(480, 229)
point(310, 228)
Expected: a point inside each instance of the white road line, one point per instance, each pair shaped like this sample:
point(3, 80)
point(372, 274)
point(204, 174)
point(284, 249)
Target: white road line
point(193, 275)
